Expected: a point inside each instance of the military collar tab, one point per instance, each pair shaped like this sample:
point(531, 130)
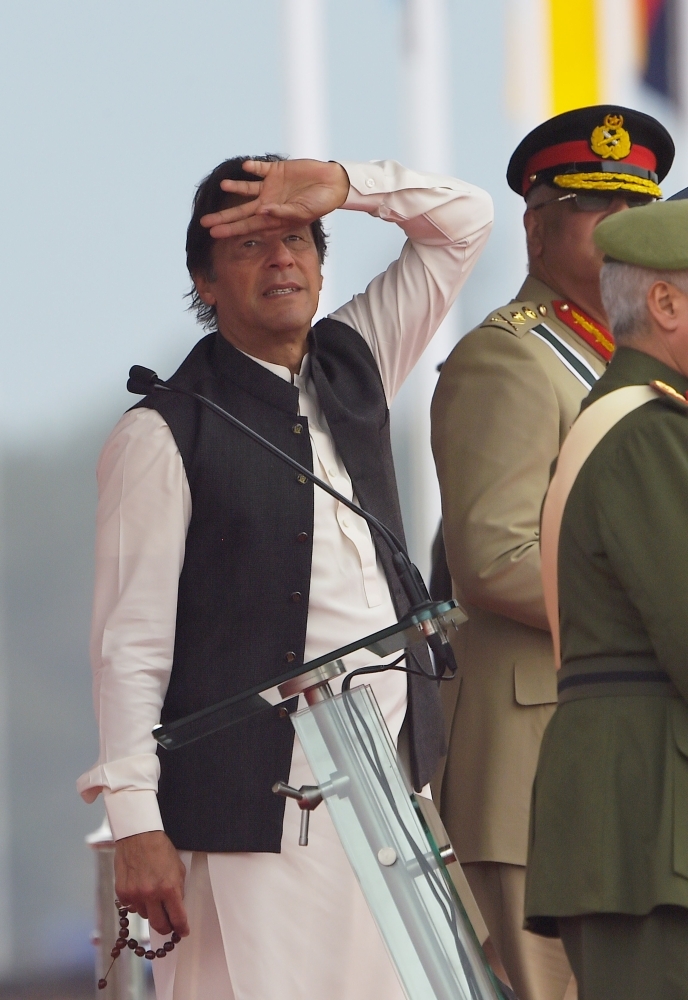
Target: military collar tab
point(593, 333)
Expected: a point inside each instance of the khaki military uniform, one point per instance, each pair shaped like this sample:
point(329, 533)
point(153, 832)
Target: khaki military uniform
point(503, 405)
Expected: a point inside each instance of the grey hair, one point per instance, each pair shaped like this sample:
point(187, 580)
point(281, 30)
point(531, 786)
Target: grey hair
point(624, 290)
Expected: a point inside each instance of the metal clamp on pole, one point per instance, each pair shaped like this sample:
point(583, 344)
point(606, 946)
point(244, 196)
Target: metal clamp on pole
point(308, 797)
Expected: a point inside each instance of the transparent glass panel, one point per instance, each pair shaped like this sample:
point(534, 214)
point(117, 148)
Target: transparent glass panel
point(406, 885)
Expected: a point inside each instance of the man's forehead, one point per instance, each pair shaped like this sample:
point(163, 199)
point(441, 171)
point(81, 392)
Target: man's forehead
point(270, 235)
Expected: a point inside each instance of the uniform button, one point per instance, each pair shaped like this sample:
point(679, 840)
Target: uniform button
point(370, 183)
point(297, 428)
point(295, 598)
point(302, 537)
point(300, 478)
point(290, 657)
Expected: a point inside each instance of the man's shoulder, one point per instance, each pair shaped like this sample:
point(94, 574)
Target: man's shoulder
point(506, 334)
point(651, 437)
point(517, 318)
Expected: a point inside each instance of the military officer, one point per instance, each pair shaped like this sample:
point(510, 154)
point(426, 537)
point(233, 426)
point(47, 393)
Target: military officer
point(608, 858)
point(505, 400)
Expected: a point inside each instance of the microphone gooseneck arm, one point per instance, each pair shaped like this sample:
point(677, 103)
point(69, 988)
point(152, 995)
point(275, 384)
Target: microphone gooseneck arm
point(143, 381)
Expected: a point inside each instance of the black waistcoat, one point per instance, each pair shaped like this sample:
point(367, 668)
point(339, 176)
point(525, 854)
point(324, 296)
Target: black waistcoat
point(243, 591)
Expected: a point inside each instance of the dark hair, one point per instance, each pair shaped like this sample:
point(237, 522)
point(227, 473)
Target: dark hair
point(210, 197)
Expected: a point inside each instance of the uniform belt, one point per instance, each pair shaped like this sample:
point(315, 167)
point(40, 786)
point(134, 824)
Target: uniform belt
point(606, 676)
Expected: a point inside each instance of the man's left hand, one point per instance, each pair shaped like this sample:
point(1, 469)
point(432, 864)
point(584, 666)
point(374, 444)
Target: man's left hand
point(292, 192)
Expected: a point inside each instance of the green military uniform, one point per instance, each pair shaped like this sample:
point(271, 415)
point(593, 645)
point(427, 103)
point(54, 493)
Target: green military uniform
point(609, 821)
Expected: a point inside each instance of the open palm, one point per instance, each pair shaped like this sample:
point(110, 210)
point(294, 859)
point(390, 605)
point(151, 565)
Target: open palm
point(292, 192)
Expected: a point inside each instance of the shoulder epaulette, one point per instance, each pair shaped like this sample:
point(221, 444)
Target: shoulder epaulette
point(516, 318)
point(670, 395)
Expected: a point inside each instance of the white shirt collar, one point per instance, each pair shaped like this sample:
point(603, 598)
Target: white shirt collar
point(281, 370)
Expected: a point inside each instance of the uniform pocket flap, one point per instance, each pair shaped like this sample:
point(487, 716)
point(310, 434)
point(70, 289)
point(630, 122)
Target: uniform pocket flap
point(535, 682)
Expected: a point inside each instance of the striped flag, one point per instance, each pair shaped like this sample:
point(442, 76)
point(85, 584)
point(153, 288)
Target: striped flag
point(588, 52)
point(657, 23)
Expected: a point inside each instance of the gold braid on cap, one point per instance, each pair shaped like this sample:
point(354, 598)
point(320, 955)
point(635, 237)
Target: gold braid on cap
point(599, 181)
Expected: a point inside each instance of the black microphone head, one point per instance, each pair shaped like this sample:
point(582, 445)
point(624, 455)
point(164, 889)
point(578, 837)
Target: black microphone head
point(141, 380)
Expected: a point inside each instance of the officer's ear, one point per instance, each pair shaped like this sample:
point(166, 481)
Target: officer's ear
point(667, 306)
point(537, 218)
point(534, 223)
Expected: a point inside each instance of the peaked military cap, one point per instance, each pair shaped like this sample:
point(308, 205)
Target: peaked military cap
point(654, 236)
point(600, 148)
point(679, 196)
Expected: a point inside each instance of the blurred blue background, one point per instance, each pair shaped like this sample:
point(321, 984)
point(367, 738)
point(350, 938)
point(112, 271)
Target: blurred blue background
point(111, 114)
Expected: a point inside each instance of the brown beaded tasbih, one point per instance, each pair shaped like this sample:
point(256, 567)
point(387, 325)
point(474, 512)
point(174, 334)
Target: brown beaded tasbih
point(124, 941)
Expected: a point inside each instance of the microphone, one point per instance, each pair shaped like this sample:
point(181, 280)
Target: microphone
point(143, 381)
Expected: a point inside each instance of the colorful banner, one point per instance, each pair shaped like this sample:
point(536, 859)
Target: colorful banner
point(658, 37)
point(574, 49)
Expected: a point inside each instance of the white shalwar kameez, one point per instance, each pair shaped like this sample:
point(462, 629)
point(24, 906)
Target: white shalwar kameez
point(294, 925)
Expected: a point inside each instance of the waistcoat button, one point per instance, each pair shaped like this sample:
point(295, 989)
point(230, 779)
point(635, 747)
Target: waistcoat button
point(300, 478)
point(295, 598)
point(302, 537)
point(297, 428)
point(290, 657)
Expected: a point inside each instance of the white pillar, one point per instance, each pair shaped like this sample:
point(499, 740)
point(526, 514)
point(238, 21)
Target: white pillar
point(304, 34)
point(305, 98)
point(427, 115)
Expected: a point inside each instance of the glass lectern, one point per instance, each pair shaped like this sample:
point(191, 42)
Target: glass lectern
point(379, 820)
point(391, 849)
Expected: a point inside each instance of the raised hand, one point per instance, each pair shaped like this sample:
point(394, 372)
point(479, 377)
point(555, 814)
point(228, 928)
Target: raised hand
point(292, 192)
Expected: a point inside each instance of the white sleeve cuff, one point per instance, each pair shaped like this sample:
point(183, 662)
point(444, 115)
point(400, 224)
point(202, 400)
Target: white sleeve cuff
point(132, 811)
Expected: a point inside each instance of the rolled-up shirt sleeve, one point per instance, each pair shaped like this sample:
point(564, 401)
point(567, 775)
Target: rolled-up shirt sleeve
point(144, 507)
point(447, 222)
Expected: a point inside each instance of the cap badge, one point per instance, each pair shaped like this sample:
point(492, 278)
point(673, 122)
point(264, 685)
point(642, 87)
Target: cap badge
point(610, 140)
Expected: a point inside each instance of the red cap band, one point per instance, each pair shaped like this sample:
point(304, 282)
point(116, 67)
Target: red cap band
point(580, 152)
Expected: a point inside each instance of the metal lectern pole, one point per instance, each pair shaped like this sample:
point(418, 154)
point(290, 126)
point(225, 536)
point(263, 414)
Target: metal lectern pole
point(400, 870)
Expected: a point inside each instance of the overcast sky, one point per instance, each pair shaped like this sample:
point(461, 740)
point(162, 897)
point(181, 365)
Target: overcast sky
point(110, 115)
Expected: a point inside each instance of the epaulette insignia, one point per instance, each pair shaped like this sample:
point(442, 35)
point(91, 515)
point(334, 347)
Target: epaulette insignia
point(668, 390)
point(512, 320)
point(519, 320)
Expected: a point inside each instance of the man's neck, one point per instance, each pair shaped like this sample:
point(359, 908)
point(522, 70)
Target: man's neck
point(585, 295)
point(288, 352)
point(657, 348)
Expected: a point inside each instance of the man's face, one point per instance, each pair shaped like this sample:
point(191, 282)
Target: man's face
point(681, 348)
point(560, 238)
point(266, 284)
point(667, 336)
